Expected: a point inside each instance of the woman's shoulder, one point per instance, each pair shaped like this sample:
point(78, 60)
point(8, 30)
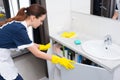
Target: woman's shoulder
point(15, 26)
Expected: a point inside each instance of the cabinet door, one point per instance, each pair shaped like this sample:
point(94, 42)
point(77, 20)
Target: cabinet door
point(85, 72)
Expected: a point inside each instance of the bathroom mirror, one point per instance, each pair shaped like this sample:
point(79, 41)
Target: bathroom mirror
point(4, 10)
point(103, 8)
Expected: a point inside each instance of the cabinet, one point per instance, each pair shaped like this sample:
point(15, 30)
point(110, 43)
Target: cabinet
point(87, 27)
point(82, 71)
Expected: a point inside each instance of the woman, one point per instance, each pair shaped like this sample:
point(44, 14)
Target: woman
point(13, 34)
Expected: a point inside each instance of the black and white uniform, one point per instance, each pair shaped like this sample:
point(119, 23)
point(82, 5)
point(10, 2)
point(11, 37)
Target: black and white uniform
point(13, 35)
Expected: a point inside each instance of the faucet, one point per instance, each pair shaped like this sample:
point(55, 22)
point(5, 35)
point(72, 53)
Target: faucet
point(108, 40)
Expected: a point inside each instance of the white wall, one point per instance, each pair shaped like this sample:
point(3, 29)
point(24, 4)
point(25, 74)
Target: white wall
point(59, 12)
point(59, 15)
point(13, 7)
point(82, 6)
point(95, 26)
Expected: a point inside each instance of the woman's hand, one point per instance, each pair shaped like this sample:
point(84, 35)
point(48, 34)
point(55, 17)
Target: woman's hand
point(68, 64)
point(44, 47)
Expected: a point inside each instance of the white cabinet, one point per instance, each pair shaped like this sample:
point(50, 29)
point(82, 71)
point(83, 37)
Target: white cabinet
point(85, 72)
point(81, 71)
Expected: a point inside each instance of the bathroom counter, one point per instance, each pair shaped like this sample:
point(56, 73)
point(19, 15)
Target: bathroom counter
point(69, 42)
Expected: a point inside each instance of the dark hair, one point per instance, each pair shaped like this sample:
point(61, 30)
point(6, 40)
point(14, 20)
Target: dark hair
point(35, 9)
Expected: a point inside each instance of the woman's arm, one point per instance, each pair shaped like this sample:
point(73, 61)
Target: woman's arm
point(68, 64)
point(37, 45)
point(36, 52)
point(115, 16)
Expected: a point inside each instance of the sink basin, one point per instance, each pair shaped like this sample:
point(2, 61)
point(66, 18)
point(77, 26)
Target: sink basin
point(98, 49)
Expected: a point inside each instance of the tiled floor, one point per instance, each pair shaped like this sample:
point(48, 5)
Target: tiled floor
point(30, 67)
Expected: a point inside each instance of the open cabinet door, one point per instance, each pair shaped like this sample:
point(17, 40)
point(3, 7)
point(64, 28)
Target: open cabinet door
point(85, 72)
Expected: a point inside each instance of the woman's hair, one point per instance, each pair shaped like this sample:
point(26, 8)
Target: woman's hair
point(23, 13)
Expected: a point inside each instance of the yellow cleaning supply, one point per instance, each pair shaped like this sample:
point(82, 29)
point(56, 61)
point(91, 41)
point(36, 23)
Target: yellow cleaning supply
point(68, 34)
point(44, 47)
point(2, 15)
point(68, 64)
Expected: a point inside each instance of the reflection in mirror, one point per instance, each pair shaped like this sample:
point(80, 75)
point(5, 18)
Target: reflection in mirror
point(4, 10)
point(103, 8)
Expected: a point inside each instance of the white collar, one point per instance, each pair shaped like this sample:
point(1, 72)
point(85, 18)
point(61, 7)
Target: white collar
point(24, 23)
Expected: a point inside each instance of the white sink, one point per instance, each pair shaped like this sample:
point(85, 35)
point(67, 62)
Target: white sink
point(98, 49)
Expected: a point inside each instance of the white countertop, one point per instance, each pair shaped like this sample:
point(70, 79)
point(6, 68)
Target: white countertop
point(69, 42)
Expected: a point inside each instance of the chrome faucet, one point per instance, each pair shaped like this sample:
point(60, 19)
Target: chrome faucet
point(108, 40)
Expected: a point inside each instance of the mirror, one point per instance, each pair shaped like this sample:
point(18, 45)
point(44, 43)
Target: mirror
point(4, 10)
point(104, 8)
